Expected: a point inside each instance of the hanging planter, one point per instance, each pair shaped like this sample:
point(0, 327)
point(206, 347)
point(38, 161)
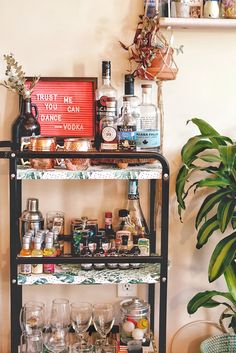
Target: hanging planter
point(151, 52)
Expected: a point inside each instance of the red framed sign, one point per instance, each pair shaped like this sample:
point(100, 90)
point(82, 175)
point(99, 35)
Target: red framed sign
point(66, 106)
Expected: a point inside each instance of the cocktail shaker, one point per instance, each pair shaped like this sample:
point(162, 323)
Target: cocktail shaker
point(31, 219)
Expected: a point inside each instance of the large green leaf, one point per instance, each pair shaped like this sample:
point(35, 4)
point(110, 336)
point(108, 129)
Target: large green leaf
point(180, 184)
point(225, 212)
point(209, 202)
point(222, 257)
point(207, 130)
point(228, 154)
point(194, 146)
point(206, 231)
point(233, 221)
point(211, 158)
point(214, 182)
point(230, 277)
point(202, 298)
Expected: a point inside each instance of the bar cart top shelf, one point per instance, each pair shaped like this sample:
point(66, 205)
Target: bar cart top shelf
point(104, 171)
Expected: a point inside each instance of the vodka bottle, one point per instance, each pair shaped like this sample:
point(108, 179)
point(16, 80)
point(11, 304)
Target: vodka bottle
point(126, 128)
point(148, 132)
point(104, 91)
point(135, 210)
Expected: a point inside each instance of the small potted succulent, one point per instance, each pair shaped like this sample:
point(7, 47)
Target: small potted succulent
point(151, 52)
point(209, 163)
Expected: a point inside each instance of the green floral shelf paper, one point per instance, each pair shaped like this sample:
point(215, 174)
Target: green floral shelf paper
point(72, 274)
point(146, 171)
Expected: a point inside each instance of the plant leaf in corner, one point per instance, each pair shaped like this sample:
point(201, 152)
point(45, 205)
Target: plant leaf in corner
point(206, 231)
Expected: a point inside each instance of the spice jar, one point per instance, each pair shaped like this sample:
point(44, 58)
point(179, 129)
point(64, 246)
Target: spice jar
point(135, 321)
point(228, 9)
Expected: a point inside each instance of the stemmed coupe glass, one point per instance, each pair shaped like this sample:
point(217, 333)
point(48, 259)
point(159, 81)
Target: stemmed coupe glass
point(103, 319)
point(81, 317)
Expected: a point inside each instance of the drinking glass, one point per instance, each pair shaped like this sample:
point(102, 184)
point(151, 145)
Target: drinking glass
point(103, 318)
point(81, 317)
point(31, 342)
point(88, 348)
point(32, 317)
point(56, 339)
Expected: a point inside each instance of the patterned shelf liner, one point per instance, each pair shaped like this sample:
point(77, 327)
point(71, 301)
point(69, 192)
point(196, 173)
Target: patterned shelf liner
point(145, 171)
point(72, 274)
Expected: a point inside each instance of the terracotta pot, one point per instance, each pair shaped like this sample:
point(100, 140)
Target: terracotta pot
point(162, 66)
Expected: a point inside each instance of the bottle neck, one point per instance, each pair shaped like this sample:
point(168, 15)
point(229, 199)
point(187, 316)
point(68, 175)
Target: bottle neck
point(133, 193)
point(129, 88)
point(126, 108)
point(26, 106)
point(106, 80)
point(26, 246)
point(146, 96)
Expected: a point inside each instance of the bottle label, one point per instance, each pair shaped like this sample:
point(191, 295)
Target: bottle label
point(101, 108)
point(148, 139)
point(126, 137)
point(25, 269)
point(37, 268)
point(49, 268)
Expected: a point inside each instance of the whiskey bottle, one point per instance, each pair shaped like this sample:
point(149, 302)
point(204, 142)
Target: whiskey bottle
point(135, 210)
point(102, 93)
point(126, 128)
point(26, 124)
point(129, 94)
point(148, 132)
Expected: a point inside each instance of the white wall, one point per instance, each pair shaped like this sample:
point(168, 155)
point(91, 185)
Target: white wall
point(70, 38)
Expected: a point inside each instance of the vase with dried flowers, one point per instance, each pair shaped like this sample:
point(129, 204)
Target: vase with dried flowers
point(26, 124)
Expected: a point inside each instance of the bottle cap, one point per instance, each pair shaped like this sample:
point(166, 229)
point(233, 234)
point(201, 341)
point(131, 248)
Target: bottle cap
point(146, 85)
point(32, 204)
point(106, 68)
point(108, 214)
point(125, 239)
point(123, 213)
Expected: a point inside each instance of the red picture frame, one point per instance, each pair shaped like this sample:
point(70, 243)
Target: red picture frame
point(66, 106)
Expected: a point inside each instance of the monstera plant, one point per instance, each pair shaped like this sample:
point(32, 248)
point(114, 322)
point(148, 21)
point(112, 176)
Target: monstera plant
point(209, 163)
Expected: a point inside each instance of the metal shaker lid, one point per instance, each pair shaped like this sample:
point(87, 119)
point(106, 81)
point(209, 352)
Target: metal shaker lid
point(135, 307)
point(32, 204)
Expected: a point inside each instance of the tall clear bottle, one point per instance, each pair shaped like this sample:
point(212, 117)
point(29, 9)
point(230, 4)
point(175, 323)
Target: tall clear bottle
point(148, 131)
point(105, 90)
point(135, 210)
point(107, 127)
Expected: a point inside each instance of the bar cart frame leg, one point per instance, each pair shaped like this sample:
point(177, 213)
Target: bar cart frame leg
point(16, 291)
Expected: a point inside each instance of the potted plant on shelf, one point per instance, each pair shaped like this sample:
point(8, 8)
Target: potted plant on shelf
point(211, 158)
point(151, 52)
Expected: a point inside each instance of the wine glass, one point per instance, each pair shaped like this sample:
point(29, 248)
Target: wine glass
point(103, 319)
point(81, 317)
point(56, 339)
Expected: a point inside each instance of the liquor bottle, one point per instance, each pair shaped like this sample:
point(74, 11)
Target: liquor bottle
point(129, 94)
point(49, 251)
point(135, 251)
point(86, 252)
point(108, 130)
point(26, 124)
point(135, 210)
point(108, 224)
point(123, 251)
point(104, 91)
point(126, 128)
point(112, 252)
point(99, 252)
point(125, 223)
point(37, 252)
point(25, 269)
point(148, 132)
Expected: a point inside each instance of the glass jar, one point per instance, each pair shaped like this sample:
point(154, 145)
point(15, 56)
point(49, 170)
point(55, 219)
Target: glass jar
point(135, 321)
point(228, 9)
